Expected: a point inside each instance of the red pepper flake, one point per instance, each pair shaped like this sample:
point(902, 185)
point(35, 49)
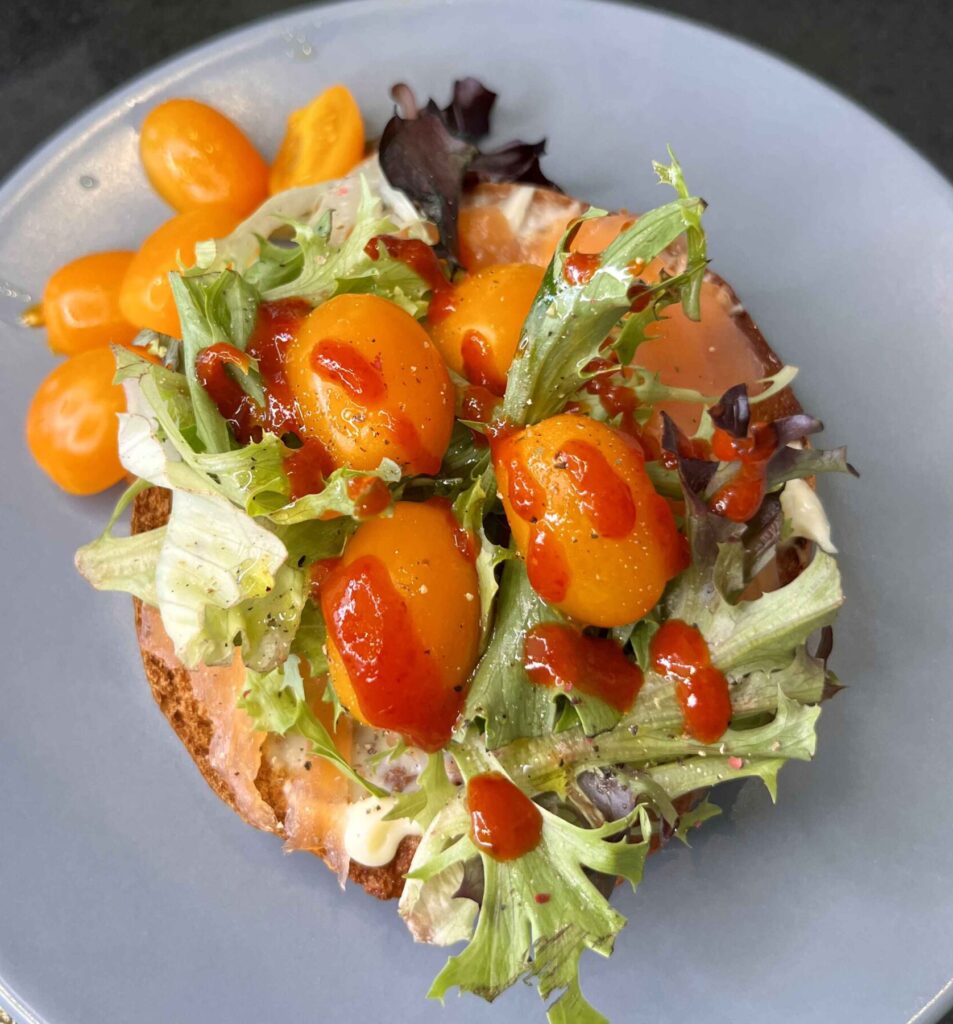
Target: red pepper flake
point(542, 897)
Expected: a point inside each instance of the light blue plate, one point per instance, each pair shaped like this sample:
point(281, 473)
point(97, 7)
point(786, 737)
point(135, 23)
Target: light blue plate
point(128, 893)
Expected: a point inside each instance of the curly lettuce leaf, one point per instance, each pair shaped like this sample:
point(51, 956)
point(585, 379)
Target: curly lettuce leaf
point(334, 497)
point(434, 790)
point(538, 912)
point(276, 702)
point(220, 575)
point(307, 205)
point(501, 694)
point(212, 309)
point(316, 266)
point(471, 508)
point(569, 323)
point(159, 441)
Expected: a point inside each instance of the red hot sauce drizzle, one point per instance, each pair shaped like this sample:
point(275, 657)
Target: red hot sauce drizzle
point(561, 656)
point(603, 495)
point(679, 652)
point(339, 363)
point(275, 328)
point(369, 494)
point(396, 682)
point(478, 365)
point(601, 492)
point(363, 381)
point(236, 406)
point(504, 822)
point(741, 496)
point(579, 267)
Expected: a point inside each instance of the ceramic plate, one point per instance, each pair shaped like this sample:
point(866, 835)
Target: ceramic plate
point(129, 893)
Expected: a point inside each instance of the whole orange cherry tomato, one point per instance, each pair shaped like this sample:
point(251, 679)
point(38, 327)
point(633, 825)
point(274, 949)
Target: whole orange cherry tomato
point(403, 617)
point(195, 156)
point(71, 425)
point(370, 385)
point(80, 305)
point(599, 542)
point(478, 328)
point(323, 140)
point(145, 297)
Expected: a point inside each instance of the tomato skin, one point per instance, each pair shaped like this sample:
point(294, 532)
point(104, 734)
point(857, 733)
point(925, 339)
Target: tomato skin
point(323, 140)
point(400, 654)
point(71, 426)
point(145, 297)
point(80, 304)
point(600, 543)
point(195, 156)
point(371, 385)
point(479, 332)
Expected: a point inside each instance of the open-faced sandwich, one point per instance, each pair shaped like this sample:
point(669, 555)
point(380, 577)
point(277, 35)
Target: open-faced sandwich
point(474, 531)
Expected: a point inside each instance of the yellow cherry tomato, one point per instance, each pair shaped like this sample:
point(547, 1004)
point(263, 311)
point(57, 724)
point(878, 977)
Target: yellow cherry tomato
point(71, 424)
point(478, 328)
point(80, 305)
point(323, 140)
point(371, 385)
point(403, 615)
point(195, 156)
point(145, 297)
point(599, 542)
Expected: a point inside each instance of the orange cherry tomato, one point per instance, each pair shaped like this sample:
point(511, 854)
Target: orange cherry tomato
point(195, 156)
point(80, 305)
point(478, 328)
point(371, 385)
point(403, 615)
point(145, 297)
point(323, 140)
point(71, 424)
point(599, 542)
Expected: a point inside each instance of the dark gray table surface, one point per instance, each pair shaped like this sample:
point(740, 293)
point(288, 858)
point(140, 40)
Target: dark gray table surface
point(59, 56)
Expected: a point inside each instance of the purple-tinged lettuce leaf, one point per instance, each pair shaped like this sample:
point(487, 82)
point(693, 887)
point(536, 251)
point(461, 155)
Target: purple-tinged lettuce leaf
point(430, 153)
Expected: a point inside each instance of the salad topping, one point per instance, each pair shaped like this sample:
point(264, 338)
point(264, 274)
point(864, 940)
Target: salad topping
point(480, 544)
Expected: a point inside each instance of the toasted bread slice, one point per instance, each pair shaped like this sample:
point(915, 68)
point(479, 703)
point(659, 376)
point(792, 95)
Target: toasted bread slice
point(194, 722)
point(276, 787)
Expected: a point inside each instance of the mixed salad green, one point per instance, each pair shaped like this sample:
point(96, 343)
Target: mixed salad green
point(230, 569)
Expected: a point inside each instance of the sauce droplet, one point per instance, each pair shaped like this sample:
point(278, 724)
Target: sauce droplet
point(580, 267)
point(679, 652)
point(546, 564)
point(340, 363)
point(504, 822)
point(478, 365)
point(370, 495)
point(603, 495)
point(236, 406)
point(396, 682)
point(561, 656)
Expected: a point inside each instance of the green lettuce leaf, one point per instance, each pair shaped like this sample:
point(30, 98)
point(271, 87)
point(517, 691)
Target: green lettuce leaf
point(434, 790)
point(126, 564)
point(220, 575)
point(309, 205)
point(158, 439)
point(276, 702)
point(568, 323)
point(539, 911)
point(212, 309)
point(316, 267)
point(501, 694)
point(471, 508)
point(334, 496)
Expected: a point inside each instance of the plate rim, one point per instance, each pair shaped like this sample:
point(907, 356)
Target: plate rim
point(49, 155)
